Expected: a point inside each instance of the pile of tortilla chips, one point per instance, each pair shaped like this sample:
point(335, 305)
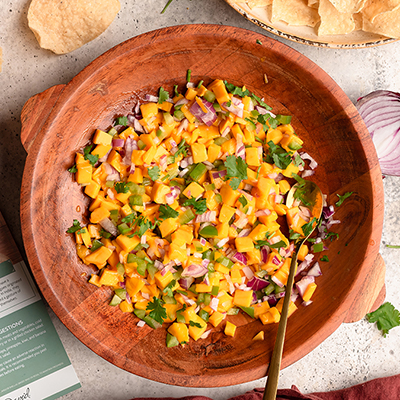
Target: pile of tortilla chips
point(335, 17)
point(65, 25)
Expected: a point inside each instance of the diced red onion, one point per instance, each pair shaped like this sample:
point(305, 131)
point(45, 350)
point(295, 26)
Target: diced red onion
point(209, 216)
point(194, 270)
point(248, 272)
point(328, 211)
point(143, 239)
point(182, 126)
point(170, 198)
point(275, 260)
point(118, 142)
point(307, 172)
point(303, 283)
point(265, 250)
point(218, 174)
point(240, 257)
point(206, 334)
point(112, 173)
point(208, 117)
point(141, 323)
point(272, 299)
point(306, 156)
point(295, 295)
point(315, 270)
point(222, 242)
point(214, 303)
point(225, 131)
point(181, 102)
point(105, 157)
point(108, 226)
point(256, 283)
point(183, 172)
point(244, 233)
point(263, 111)
point(306, 303)
point(234, 109)
point(151, 98)
point(203, 241)
point(261, 213)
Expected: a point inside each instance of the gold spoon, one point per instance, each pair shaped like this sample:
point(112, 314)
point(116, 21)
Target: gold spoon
point(310, 196)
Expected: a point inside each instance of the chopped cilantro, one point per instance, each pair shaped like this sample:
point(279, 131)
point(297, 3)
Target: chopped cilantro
point(105, 234)
point(167, 212)
point(332, 235)
point(182, 148)
point(154, 173)
point(196, 324)
point(96, 245)
point(235, 90)
point(325, 258)
point(293, 235)
point(176, 93)
point(200, 206)
point(386, 317)
point(260, 102)
point(75, 227)
point(258, 41)
point(121, 121)
point(307, 228)
point(261, 243)
point(168, 289)
point(392, 246)
point(158, 311)
point(129, 218)
point(121, 187)
point(298, 160)
point(73, 169)
point(278, 156)
point(163, 95)
point(343, 198)
point(188, 75)
point(236, 169)
point(243, 201)
point(90, 157)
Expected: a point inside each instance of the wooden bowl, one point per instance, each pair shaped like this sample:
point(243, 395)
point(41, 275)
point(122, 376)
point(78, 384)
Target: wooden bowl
point(61, 120)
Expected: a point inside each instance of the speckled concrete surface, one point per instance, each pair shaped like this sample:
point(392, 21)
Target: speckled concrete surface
point(355, 352)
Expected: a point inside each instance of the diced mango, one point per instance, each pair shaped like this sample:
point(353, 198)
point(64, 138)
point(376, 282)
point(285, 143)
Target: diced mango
point(244, 244)
point(271, 316)
point(127, 243)
point(230, 329)
point(168, 226)
point(193, 190)
point(242, 298)
point(180, 331)
point(216, 318)
point(259, 336)
point(99, 214)
point(199, 152)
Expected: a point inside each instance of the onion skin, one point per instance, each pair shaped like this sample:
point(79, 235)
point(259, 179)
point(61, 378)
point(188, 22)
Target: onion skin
point(380, 111)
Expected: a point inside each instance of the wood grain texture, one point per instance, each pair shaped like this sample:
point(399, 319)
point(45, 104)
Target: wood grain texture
point(324, 118)
point(35, 112)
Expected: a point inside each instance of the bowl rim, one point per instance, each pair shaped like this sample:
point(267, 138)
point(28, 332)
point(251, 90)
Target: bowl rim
point(27, 191)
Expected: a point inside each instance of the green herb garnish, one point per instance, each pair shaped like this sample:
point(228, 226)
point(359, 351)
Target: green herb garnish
point(154, 173)
point(200, 206)
point(90, 157)
point(158, 311)
point(342, 198)
point(167, 212)
point(75, 227)
point(162, 95)
point(386, 317)
point(121, 187)
point(236, 169)
point(121, 121)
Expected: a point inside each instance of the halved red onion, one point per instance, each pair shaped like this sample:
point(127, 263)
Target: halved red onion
point(380, 111)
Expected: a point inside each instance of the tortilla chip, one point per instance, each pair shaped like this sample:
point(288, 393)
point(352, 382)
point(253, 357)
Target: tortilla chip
point(258, 3)
point(358, 20)
point(386, 24)
point(63, 26)
point(348, 6)
point(334, 22)
point(294, 12)
point(313, 3)
point(373, 8)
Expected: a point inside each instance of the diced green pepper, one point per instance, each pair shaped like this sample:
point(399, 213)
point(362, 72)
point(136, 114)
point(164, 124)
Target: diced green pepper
point(139, 313)
point(198, 171)
point(186, 217)
point(115, 300)
point(172, 341)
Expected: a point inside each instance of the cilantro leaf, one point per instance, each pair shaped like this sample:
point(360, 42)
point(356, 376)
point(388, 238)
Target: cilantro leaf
point(236, 169)
point(129, 218)
point(325, 258)
point(261, 243)
point(90, 157)
point(121, 121)
point(167, 212)
point(121, 187)
point(260, 102)
point(158, 311)
point(332, 235)
point(258, 41)
point(154, 173)
point(308, 227)
point(73, 169)
point(168, 289)
point(75, 227)
point(278, 156)
point(386, 317)
point(163, 95)
point(200, 206)
point(196, 324)
point(342, 198)
point(235, 90)
point(105, 234)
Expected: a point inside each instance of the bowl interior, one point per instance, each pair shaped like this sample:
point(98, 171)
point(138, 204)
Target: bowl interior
point(322, 116)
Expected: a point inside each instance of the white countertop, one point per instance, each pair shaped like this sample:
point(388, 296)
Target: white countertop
point(355, 352)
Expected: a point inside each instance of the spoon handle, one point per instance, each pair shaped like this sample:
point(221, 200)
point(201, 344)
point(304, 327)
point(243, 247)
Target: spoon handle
point(275, 364)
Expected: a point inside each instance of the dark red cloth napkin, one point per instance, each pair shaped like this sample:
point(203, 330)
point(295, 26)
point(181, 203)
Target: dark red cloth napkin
point(377, 389)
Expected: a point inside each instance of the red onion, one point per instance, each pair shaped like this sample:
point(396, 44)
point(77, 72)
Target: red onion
point(208, 117)
point(194, 270)
point(260, 213)
point(244, 232)
point(118, 142)
point(206, 334)
point(234, 109)
point(150, 97)
point(209, 216)
point(328, 211)
point(141, 323)
point(240, 257)
point(248, 272)
point(276, 261)
point(186, 282)
point(380, 111)
point(108, 226)
point(257, 283)
point(264, 253)
point(214, 303)
point(218, 174)
point(182, 126)
point(263, 111)
point(306, 156)
point(315, 270)
point(303, 283)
